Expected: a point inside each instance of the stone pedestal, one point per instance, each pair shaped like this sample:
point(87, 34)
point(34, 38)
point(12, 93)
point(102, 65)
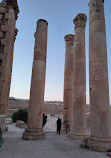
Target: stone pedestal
point(79, 130)
point(67, 100)
point(100, 139)
point(35, 115)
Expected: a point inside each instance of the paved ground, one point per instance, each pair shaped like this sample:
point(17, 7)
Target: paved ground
point(54, 146)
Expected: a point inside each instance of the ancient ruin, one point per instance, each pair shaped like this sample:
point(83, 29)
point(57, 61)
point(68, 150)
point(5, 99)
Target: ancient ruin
point(8, 15)
point(100, 138)
point(35, 115)
point(79, 130)
point(74, 101)
point(68, 72)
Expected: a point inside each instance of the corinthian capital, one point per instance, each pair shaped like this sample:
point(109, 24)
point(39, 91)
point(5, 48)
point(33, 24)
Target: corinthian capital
point(69, 38)
point(80, 20)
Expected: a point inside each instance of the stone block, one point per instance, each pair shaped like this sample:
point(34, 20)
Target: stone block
point(98, 75)
point(6, 16)
point(1, 16)
point(3, 4)
point(2, 10)
point(33, 134)
point(1, 34)
point(101, 145)
point(4, 28)
point(4, 42)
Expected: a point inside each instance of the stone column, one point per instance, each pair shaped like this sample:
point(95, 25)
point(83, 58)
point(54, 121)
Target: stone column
point(67, 100)
point(100, 139)
point(8, 15)
point(35, 115)
point(79, 130)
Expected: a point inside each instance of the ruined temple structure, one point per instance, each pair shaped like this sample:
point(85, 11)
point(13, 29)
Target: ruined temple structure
point(34, 130)
point(68, 72)
point(79, 130)
point(8, 15)
point(100, 138)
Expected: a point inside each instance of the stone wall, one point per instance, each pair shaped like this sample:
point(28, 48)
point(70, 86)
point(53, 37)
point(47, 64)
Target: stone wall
point(49, 108)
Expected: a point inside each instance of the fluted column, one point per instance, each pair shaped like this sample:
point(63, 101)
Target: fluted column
point(67, 100)
point(100, 139)
point(79, 130)
point(35, 115)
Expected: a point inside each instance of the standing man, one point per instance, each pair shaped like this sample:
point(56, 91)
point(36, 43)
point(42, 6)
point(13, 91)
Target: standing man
point(59, 125)
point(67, 125)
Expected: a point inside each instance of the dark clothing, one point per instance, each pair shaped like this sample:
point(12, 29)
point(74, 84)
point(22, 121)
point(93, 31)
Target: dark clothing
point(1, 139)
point(59, 123)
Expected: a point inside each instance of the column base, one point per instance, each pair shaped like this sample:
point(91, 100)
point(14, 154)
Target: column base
point(96, 144)
point(33, 134)
point(78, 134)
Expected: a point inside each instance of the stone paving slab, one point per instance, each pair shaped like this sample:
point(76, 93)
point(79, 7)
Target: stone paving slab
point(54, 146)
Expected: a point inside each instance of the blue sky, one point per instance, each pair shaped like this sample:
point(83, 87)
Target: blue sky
point(60, 15)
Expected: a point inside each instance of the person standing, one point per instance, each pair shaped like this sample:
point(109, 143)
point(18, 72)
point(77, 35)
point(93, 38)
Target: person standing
point(67, 125)
point(59, 125)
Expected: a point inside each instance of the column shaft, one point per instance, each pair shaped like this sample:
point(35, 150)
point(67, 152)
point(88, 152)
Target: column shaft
point(79, 130)
point(67, 100)
point(98, 79)
point(35, 115)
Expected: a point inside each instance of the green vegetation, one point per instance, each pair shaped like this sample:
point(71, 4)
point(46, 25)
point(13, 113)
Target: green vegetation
point(22, 114)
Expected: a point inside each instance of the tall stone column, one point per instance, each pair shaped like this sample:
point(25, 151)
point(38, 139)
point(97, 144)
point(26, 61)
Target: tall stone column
point(67, 100)
point(35, 115)
point(8, 15)
point(79, 130)
point(100, 139)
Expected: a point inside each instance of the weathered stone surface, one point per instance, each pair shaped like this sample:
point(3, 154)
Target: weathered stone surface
point(34, 134)
point(6, 16)
point(3, 4)
point(2, 10)
point(1, 16)
point(1, 34)
point(35, 115)
point(100, 139)
point(7, 38)
point(102, 145)
point(67, 110)
point(21, 124)
point(79, 130)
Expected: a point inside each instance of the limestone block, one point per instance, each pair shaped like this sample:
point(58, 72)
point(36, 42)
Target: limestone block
point(78, 48)
point(98, 75)
point(1, 16)
point(32, 134)
point(6, 16)
point(101, 145)
point(1, 23)
point(2, 10)
point(4, 42)
point(3, 4)
point(40, 54)
point(21, 124)
point(1, 34)
point(97, 45)
point(79, 70)
point(99, 123)
point(4, 28)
